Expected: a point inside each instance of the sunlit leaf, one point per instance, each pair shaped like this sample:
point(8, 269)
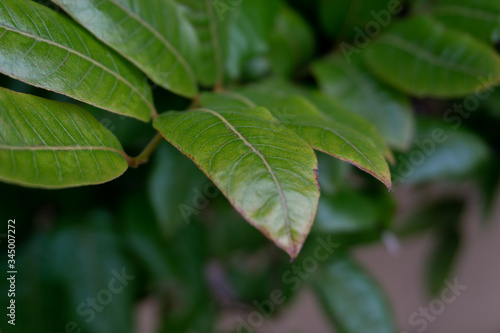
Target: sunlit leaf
point(48, 50)
point(421, 57)
point(53, 144)
point(155, 35)
point(266, 171)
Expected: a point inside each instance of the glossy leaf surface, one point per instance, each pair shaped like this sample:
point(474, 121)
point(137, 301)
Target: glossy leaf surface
point(50, 51)
point(320, 131)
point(53, 145)
point(266, 171)
point(155, 35)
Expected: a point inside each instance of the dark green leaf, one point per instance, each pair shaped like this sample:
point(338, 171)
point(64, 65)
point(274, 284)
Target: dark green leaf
point(421, 57)
point(155, 35)
point(351, 299)
point(50, 51)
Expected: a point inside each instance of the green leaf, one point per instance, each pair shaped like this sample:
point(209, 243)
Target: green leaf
point(351, 299)
point(267, 172)
point(155, 35)
point(419, 56)
point(292, 42)
point(320, 131)
point(50, 51)
point(54, 145)
point(336, 112)
point(209, 60)
point(440, 152)
point(480, 18)
point(350, 84)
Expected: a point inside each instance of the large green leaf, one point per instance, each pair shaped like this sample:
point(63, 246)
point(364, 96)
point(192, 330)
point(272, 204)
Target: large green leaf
point(48, 50)
point(352, 300)
point(155, 35)
point(320, 131)
point(53, 144)
point(351, 85)
point(266, 171)
point(421, 57)
point(480, 18)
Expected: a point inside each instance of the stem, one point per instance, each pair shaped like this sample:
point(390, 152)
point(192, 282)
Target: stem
point(143, 157)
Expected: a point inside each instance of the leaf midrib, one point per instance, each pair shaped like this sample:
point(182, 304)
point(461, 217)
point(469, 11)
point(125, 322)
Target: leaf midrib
point(75, 52)
point(61, 148)
point(268, 167)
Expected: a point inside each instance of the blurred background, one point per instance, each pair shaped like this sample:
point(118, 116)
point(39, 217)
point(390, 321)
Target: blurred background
point(161, 250)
